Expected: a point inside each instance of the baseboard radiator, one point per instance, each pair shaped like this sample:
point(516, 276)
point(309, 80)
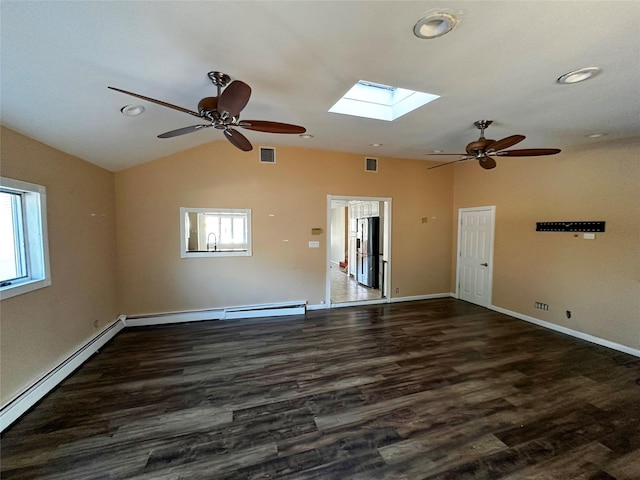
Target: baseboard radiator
point(39, 389)
point(33, 394)
point(227, 313)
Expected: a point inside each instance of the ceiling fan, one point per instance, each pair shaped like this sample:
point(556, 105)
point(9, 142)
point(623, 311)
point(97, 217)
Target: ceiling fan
point(484, 149)
point(223, 112)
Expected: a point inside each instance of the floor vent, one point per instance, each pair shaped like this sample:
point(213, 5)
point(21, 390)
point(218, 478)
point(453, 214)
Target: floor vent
point(370, 164)
point(267, 155)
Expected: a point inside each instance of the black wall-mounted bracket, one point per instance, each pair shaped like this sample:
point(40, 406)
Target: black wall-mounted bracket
point(570, 226)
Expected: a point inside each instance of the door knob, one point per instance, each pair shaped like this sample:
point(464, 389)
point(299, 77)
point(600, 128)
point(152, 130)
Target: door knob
point(484, 264)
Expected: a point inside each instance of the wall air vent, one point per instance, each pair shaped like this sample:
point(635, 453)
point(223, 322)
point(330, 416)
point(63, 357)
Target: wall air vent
point(267, 155)
point(370, 164)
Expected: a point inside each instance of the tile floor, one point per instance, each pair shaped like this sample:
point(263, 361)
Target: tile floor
point(344, 288)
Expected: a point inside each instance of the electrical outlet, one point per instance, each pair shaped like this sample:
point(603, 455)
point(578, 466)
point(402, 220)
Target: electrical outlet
point(568, 313)
point(397, 290)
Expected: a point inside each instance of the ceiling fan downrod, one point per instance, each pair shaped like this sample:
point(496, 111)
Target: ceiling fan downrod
point(482, 124)
point(219, 79)
point(477, 149)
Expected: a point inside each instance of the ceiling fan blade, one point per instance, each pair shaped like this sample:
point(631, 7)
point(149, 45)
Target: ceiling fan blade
point(238, 140)
point(159, 102)
point(234, 98)
point(505, 143)
point(487, 163)
point(271, 127)
point(182, 131)
point(450, 163)
point(528, 152)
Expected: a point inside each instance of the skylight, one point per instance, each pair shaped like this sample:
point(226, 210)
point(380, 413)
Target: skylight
point(382, 102)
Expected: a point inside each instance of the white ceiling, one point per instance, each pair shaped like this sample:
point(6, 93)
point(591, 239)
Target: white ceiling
point(501, 63)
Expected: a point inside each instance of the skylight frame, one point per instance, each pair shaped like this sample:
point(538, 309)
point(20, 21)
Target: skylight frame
point(379, 101)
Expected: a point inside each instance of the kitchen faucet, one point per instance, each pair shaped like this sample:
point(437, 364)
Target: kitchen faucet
point(215, 242)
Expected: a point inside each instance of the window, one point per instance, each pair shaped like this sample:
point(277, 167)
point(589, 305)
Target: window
point(24, 251)
point(382, 102)
point(215, 232)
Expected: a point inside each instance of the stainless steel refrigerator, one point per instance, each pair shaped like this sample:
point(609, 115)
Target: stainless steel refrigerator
point(368, 251)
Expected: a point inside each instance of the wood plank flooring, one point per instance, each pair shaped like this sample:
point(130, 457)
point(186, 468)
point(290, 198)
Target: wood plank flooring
point(438, 389)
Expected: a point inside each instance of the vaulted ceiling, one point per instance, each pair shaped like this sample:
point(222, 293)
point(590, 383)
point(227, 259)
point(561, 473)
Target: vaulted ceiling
point(500, 62)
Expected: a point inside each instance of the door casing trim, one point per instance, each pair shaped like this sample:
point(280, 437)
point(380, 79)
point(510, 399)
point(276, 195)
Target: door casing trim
point(388, 233)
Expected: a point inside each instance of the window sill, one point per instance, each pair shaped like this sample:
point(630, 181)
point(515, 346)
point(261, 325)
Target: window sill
point(216, 253)
point(19, 288)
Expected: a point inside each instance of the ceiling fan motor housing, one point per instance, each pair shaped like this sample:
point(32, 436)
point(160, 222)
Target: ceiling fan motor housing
point(207, 107)
point(478, 148)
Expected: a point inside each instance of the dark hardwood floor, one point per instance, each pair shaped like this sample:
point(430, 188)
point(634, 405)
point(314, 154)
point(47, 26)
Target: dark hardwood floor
point(437, 389)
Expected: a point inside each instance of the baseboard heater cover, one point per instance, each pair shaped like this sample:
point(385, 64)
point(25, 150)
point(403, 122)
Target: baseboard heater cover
point(226, 313)
point(38, 390)
point(33, 394)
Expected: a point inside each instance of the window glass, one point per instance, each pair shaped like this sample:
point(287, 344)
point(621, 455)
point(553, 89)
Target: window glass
point(24, 253)
point(208, 232)
point(12, 257)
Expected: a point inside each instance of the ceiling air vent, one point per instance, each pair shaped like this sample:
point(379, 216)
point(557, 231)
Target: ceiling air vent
point(370, 164)
point(267, 155)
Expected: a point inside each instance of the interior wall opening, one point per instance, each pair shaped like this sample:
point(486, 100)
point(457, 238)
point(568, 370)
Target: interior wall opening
point(359, 260)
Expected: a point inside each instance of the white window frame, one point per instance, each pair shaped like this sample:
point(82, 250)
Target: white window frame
point(220, 252)
point(35, 238)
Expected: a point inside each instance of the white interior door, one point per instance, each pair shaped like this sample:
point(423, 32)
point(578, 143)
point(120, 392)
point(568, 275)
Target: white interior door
point(475, 254)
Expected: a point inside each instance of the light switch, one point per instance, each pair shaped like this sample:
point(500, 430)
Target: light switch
point(314, 244)
point(589, 236)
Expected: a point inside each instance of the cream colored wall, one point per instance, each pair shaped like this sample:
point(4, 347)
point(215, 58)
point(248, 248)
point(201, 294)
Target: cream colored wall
point(153, 278)
point(41, 328)
point(597, 280)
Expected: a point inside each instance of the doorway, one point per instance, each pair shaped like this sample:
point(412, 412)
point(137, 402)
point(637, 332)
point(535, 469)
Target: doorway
point(474, 273)
point(358, 250)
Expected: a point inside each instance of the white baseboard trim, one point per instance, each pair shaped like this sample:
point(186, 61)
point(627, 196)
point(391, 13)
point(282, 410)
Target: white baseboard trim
point(297, 307)
point(359, 303)
point(323, 306)
point(415, 298)
point(318, 306)
point(27, 399)
point(568, 331)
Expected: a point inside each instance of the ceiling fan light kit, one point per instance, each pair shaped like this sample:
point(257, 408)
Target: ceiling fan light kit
point(221, 112)
point(484, 150)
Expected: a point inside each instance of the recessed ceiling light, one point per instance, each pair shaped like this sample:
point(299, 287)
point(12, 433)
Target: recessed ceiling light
point(132, 110)
point(306, 135)
point(578, 75)
point(375, 144)
point(434, 25)
point(596, 135)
